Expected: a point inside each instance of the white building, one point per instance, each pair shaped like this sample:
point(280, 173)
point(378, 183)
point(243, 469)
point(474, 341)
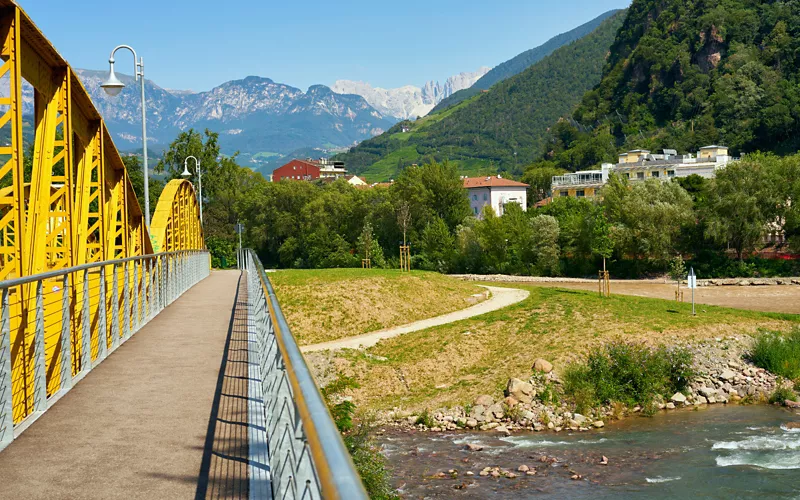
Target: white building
point(495, 192)
point(640, 165)
point(355, 180)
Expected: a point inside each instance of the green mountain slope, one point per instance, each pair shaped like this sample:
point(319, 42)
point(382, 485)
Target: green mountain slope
point(499, 130)
point(683, 75)
point(523, 61)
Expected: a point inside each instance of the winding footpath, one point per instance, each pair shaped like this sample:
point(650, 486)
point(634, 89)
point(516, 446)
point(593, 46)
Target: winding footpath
point(500, 298)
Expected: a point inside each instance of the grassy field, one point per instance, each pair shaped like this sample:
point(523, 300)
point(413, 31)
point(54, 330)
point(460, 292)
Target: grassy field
point(450, 365)
point(325, 305)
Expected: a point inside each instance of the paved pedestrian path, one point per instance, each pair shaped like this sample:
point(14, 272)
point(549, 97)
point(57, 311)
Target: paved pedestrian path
point(500, 298)
point(163, 417)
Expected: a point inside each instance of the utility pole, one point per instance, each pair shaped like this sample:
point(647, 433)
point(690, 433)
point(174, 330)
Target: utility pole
point(692, 284)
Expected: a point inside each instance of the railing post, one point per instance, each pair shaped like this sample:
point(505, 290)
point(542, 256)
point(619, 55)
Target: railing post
point(126, 299)
point(66, 336)
point(6, 406)
point(86, 330)
point(146, 290)
point(135, 297)
point(115, 322)
point(39, 367)
point(102, 312)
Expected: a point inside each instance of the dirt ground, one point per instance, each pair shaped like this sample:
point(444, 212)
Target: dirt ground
point(779, 298)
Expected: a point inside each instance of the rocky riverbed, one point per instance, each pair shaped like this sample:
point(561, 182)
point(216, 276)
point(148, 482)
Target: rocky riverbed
point(723, 377)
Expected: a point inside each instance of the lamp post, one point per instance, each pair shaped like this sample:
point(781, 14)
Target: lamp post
point(186, 173)
point(113, 86)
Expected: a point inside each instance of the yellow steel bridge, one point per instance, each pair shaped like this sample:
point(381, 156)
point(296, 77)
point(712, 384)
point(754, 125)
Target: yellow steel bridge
point(71, 204)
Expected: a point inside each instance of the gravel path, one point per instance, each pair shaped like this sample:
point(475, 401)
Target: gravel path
point(500, 298)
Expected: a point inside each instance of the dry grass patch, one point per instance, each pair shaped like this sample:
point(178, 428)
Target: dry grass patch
point(331, 304)
point(450, 365)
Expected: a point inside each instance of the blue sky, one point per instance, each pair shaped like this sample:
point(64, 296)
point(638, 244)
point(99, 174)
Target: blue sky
point(198, 44)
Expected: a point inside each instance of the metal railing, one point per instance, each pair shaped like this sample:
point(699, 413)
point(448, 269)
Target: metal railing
point(307, 457)
point(577, 179)
point(57, 326)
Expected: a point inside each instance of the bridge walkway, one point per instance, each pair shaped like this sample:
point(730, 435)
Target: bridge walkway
point(165, 416)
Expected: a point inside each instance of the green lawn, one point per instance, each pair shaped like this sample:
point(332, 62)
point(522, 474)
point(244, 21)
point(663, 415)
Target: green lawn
point(450, 365)
point(324, 305)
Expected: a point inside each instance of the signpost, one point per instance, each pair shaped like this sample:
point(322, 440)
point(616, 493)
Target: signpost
point(692, 284)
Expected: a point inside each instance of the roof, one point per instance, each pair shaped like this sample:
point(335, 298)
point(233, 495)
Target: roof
point(713, 147)
point(490, 182)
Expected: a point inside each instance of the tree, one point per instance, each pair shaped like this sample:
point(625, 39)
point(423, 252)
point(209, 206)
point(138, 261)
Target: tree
point(540, 178)
point(404, 219)
point(648, 216)
point(602, 241)
point(742, 200)
point(545, 243)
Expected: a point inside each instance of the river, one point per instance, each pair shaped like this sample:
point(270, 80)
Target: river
point(715, 452)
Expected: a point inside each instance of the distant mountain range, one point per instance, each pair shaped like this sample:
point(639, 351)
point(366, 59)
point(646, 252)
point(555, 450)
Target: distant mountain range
point(256, 116)
point(522, 62)
point(502, 129)
point(409, 102)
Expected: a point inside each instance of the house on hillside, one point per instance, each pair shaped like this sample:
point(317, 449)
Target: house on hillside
point(309, 170)
point(355, 180)
point(640, 165)
point(495, 192)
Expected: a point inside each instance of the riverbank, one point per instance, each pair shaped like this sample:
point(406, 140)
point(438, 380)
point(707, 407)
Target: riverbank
point(722, 376)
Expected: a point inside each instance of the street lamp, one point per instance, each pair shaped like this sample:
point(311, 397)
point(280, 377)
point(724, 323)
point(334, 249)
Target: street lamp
point(113, 86)
point(186, 173)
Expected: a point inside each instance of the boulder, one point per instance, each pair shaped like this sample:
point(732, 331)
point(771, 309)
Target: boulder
point(542, 365)
point(477, 411)
point(598, 424)
point(791, 404)
point(792, 425)
point(707, 392)
point(670, 406)
point(727, 375)
point(511, 401)
point(484, 400)
point(519, 390)
point(580, 419)
point(678, 398)
point(495, 411)
point(472, 423)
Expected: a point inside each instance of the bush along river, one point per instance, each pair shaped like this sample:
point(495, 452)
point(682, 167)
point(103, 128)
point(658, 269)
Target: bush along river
point(706, 452)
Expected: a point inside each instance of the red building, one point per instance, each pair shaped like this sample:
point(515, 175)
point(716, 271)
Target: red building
point(301, 170)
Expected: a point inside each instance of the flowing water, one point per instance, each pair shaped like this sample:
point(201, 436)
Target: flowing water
point(717, 452)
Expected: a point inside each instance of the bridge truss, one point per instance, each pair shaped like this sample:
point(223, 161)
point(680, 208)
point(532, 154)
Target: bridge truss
point(67, 201)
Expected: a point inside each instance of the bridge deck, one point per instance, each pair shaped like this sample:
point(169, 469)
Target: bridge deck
point(163, 417)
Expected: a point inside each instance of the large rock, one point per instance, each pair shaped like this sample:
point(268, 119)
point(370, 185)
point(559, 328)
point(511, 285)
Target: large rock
point(477, 412)
point(484, 400)
point(495, 411)
point(580, 419)
point(542, 365)
point(519, 390)
point(707, 392)
point(727, 375)
point(678, 398)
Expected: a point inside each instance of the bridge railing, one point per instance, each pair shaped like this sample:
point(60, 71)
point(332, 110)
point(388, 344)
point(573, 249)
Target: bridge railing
point(307, 457)
point(55, 327)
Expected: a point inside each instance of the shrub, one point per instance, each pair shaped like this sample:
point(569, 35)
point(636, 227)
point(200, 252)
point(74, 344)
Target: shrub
point(778, 353)
point(357, 435)
point(426, 419)
point(781, 394)
point(628, 373)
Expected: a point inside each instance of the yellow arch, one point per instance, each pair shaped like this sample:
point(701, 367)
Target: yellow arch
point(176, 222)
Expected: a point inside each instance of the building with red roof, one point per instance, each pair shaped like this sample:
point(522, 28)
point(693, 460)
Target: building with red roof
point(495, 191)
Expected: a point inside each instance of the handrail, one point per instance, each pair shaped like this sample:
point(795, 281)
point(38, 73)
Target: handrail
point(333, 467)
point(24, 280)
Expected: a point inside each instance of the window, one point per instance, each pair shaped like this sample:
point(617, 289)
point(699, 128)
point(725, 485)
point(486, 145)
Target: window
point(628, 175)
point(670, 173)
point(640, 175)
point(656, 174)
point(475, 209)
point(580, 193)
point(474, 197)
point(485, 196)
point(564, 194)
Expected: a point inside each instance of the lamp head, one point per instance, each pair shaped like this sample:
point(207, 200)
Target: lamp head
point(186, 172)
point(113, 86)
